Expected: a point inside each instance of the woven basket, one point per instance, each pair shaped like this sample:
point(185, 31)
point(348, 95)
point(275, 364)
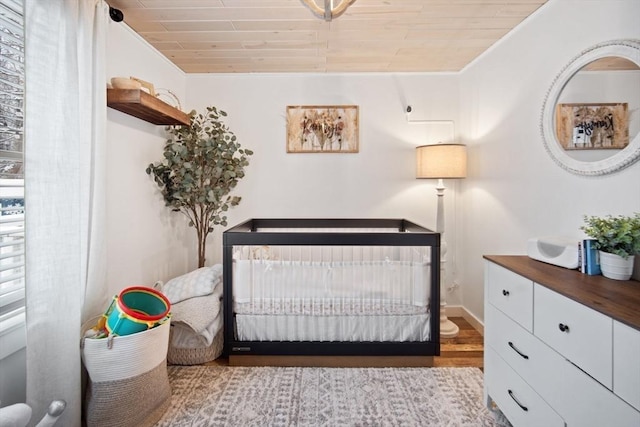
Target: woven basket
point(195, 356)
point(128, 383)
point(137, 402)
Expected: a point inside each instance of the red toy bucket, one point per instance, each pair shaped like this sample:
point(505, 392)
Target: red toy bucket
point(136, 309)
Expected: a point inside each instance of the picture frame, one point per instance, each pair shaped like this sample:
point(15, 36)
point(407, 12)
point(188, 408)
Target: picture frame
point(322, 129)
point(595, 126)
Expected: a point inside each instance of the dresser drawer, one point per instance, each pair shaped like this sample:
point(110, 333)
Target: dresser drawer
point(519, 402)
point(510, 293)
point(580, 334)
point(532, 359)
point(587, 403)
point(626, 363)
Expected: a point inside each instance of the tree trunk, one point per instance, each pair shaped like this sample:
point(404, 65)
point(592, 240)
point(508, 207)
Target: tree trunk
point(202, 245)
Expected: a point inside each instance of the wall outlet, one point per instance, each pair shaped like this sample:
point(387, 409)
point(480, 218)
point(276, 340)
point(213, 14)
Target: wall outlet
point(454, 287)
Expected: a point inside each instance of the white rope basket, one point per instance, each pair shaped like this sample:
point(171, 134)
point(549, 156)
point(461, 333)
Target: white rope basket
point(128, 382)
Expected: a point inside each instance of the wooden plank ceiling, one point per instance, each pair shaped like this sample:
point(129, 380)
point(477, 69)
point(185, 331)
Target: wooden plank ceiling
point(270, 36)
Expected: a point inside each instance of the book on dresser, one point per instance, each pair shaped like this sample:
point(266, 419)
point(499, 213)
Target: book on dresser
point(591, 264)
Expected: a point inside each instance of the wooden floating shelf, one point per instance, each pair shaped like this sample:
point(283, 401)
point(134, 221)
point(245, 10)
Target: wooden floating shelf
point(140, 104)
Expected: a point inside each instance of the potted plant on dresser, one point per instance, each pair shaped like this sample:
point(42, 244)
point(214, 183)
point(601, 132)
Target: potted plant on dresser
point(617, 238)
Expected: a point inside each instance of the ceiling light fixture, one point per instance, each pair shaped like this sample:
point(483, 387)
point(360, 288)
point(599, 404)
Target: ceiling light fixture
point(329, 12)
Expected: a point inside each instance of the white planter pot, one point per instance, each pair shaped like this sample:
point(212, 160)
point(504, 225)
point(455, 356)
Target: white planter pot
point(615, 267)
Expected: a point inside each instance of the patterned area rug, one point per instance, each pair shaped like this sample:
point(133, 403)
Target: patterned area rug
point(284, 396)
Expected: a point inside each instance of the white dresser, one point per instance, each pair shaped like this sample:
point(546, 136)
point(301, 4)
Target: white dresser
point(561, 348)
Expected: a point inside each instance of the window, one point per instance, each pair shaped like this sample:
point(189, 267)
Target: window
point(12, 207)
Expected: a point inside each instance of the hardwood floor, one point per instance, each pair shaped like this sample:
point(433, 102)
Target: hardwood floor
point(465, 350)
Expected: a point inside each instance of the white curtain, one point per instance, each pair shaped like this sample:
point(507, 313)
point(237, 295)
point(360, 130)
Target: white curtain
point(65, 122)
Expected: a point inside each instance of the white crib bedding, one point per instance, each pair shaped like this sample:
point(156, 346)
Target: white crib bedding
point(327, 307)
point(390, 328)
point(331, 294)
point(279, 282)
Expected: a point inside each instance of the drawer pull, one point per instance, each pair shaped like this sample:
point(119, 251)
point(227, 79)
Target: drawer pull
point(505, 292)
point(563, 327)
point(524, 408)
point(524, 356)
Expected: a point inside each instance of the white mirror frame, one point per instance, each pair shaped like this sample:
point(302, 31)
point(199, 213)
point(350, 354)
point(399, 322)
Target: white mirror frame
point(629, 49)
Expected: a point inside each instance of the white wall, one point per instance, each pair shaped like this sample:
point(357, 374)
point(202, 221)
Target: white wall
point(146, 242)
point(13, 378)
point(515, 191)
point(379, 181)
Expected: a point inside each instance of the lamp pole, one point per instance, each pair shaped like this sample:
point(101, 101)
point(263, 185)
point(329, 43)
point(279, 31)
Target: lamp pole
point(448, 329)
point(439, 161)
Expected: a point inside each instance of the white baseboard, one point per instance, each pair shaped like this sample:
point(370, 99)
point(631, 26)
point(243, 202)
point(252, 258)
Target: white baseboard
point(460, 311)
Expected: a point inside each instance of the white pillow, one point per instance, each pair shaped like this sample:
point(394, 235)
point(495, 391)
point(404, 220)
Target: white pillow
point(196, 283)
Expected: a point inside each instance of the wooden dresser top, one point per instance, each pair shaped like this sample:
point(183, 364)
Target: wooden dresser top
point(617, 299)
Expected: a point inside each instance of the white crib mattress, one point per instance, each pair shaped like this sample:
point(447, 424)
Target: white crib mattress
point(333, 328)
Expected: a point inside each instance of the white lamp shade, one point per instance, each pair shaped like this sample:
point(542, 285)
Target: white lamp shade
point(441, 161)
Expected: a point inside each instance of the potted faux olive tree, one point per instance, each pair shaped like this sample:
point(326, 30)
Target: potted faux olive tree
point(202, 164)
point(618, 240)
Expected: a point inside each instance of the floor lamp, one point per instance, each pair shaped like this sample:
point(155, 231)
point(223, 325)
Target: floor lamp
point(442, 161)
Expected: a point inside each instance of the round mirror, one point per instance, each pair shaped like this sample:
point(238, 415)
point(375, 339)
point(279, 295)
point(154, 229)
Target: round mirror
point(591, 116)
